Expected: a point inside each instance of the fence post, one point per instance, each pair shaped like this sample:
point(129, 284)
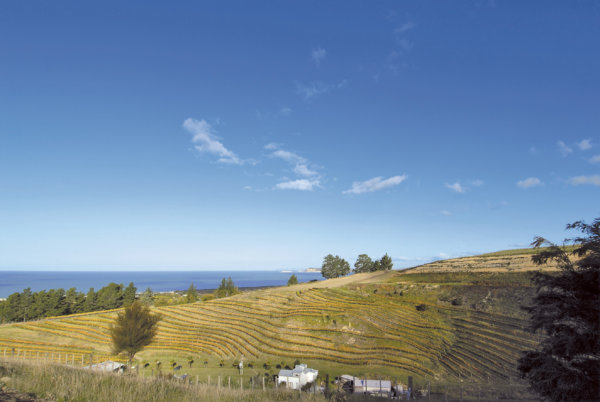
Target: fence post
point(209, 379)
point(263, 383)
point(219, 382)
point(428, 391)
point(229, 381)
point(196, 380)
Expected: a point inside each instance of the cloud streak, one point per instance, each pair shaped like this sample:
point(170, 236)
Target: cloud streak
point(374, 184)
point(205, 140)
point(584, 145)
point(594, 180)
point(529, 182)
point(316, 89)
point(300, 184)
point(318, 55)
point(457, 187)
point(564, 148)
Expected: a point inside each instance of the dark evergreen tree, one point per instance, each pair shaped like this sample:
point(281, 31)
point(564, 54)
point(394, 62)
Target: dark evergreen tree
point(90, 301)
point(293, 280)
point(75, 301)
point(110, 296)
point(191, 295)
point(147, 297)
point(363, 264)
point(134, 328)
point(56, 303)
point(226, 288)
point(566, 308)
point(386, 263)
point(334, 267)
point(129, 295)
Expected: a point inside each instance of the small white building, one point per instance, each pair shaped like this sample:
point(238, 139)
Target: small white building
point(298, 377)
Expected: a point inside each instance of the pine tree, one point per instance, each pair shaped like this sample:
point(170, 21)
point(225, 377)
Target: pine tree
point(363, 264)
point(147, 297)
point(134, 328)
point(386, 263)
point(129, 294)
point(192, 294)
point(90, 301)
point(566, 364)
point(293, 280)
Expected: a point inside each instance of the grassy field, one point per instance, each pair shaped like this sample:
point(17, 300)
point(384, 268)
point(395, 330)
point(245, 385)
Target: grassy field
point(437, 325)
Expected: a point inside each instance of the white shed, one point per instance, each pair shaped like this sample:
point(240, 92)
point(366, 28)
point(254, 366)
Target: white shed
point(298, 377)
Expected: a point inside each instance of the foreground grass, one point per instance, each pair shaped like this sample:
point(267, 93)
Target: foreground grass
point(55, 382)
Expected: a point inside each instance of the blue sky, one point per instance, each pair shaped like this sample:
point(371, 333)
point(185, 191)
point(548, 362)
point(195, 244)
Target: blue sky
point(224, 135)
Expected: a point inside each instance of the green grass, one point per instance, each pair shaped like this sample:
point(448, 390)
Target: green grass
point(63, 383)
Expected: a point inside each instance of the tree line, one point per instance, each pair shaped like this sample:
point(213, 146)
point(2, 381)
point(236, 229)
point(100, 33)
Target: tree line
point(335, 266)
point(28, 305)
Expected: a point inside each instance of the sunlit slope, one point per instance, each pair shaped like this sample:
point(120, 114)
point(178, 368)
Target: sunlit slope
point(366, 320)
point(518, 260)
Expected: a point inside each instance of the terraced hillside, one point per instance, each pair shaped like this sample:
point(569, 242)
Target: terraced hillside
point(388, 323)
point(503, 261)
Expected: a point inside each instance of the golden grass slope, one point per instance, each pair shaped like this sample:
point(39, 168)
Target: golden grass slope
point(364, 323)
point(503, 261)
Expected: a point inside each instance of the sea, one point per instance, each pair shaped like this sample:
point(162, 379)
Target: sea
point(158, 281)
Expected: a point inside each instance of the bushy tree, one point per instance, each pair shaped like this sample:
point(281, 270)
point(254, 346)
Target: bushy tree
point(191, 295)
point(110, 296)
point(566, 307)
point(129, 294)
point(334, 267)
point(226, 288)
point(90, 301)
point(293, 280)
point(147, 298)
point(134, 328)
point(363, 263)
point(386, 263)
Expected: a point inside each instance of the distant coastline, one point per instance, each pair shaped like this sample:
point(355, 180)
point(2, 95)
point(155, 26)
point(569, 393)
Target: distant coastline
point(157, 281)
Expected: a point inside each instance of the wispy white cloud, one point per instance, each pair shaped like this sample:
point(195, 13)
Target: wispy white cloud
point(584, 145)
point(595, 159)
point(285, 111)
point(446, 213)
point(477, 183)
point(204, 140)
point(315, 89)
point(594, 180)
point(288, 156)
point(374, 184)
point(301, 165)
point(302, 170)
point(456, 187)
point(407, 26)
point(318, 55)
point(529, 182)
point(300, 184)
point(564, 148)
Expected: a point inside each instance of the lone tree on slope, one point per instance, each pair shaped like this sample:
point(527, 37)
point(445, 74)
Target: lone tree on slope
point(566, 364)
point(134, 328)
